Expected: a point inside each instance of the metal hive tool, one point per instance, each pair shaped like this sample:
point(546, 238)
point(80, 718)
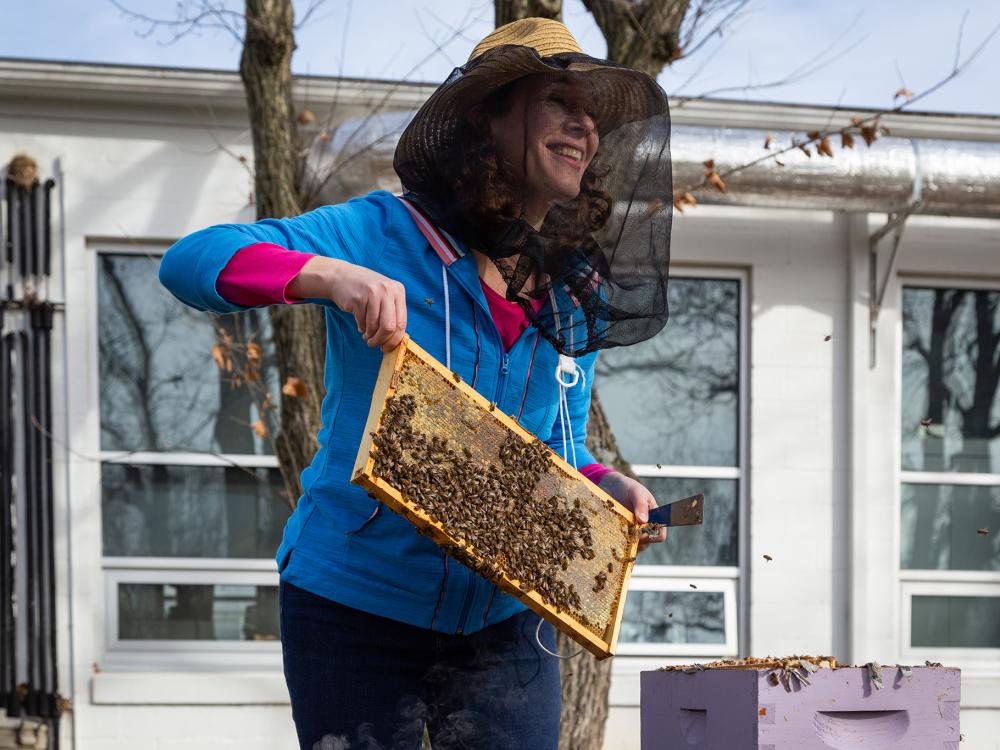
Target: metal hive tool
point(496, 498)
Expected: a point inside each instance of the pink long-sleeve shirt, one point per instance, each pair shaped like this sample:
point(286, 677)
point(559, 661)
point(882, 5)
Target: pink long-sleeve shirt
point(260, 274)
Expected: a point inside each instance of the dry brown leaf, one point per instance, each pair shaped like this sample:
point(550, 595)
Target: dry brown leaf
point(306, 117)
point(768, 141)
point(805, 150)
point(709, 164)
point(259, 428)
point(869, 134)
point(813, 135)
point(295, 387)
point(904, 92)
point(824, 147)
point(682, 199)
point(846, 140)
point(254, 352)
point(242, 158)
point(222, 359)
point(715, 180)
point(856, 121)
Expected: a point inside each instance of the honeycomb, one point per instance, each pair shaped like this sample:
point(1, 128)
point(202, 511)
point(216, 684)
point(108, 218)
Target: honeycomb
point(497, 498)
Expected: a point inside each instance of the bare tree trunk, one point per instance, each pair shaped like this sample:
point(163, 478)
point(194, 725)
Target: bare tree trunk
point(642, 35)
point(299, 331)
point(506, 11)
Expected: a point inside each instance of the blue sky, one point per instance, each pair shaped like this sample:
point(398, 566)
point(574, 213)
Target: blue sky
point(889, 43)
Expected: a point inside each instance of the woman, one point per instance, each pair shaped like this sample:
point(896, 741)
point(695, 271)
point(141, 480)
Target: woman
point(534, 230)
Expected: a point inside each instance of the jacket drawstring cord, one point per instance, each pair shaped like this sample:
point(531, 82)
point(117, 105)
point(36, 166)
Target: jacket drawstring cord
point(447, 363)
point(567, 367)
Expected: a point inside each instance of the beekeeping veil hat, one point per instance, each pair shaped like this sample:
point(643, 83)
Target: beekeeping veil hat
point(610, 288)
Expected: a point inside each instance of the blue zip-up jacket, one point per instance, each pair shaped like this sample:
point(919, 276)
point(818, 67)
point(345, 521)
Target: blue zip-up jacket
point(339, 543)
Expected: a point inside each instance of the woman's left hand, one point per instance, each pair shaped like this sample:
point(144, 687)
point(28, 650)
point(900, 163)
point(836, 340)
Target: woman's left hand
point(636, 498)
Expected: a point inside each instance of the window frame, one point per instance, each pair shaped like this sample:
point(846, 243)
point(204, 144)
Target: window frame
point(912, 582)
point(725, 585)
point(732, 581)
point(729, 579)
point(181, 576)
point(978, 584)
point(130, 655)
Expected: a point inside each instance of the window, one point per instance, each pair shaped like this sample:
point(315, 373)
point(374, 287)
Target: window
point(674, 403)
point(950, 494)
point(192, 503)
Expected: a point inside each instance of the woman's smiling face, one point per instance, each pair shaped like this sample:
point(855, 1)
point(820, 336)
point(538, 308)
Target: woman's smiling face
point(548, 132)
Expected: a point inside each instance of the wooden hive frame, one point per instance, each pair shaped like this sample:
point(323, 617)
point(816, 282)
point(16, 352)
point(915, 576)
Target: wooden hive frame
point(603, 509)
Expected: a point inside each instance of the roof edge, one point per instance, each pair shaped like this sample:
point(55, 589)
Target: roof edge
point(136, 84)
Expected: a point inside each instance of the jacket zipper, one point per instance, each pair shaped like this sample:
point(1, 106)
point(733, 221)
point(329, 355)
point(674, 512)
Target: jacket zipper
point(471, 584)
point(502, 381)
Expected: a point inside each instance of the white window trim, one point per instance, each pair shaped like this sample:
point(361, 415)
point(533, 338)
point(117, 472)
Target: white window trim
point(947, 477)
point(737, 617)
point(909, 582)
point(234, 564)
point(727, 587)
point(953, 589)
point(174, 577)
point(958, 576)
point(687, 472)
point(138, 655)
point(156, 458)
point(201, 654)
point(687, 572)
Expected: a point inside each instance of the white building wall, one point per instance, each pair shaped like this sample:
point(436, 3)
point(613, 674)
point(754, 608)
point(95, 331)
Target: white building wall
point(797, 425)
point(132, 175)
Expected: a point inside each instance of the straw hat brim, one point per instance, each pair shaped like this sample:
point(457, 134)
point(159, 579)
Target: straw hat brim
point(622, 95)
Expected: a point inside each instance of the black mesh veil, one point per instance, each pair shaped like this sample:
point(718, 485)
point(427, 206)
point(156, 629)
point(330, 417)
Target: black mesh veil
point(607, 286)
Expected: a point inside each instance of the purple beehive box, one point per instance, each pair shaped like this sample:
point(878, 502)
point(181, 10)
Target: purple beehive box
point(744, 709)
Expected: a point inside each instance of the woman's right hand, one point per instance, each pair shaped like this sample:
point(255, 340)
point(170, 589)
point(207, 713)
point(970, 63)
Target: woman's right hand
point(377, 302)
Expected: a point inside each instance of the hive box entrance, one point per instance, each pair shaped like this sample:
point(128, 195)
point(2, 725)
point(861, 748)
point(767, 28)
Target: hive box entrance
point(496, 498)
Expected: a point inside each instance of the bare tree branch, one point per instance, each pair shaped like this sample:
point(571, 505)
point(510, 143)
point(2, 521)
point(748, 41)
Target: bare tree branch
point(310, 192)
point(690, 47)
point(817, 62)
point(868, 127)
point(204, 15)
point(313, 6)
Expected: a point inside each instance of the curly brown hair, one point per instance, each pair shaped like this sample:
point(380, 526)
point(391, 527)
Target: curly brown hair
point(485, 191)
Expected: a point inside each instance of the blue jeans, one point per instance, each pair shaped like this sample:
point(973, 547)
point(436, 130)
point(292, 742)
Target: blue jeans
point(362, 682)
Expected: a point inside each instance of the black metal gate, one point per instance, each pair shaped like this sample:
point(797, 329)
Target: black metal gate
point(28, 663)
